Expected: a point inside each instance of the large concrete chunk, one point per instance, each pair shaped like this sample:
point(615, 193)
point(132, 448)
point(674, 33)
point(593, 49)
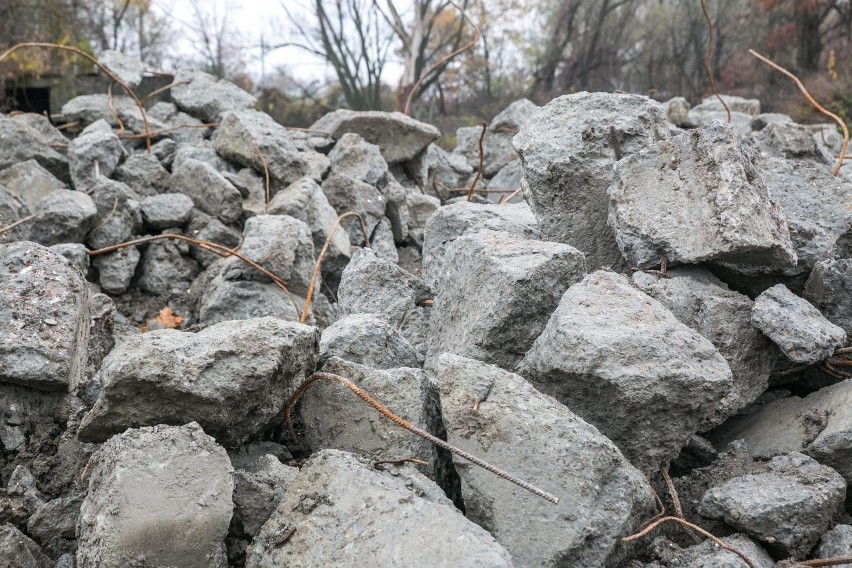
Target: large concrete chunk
point(347, 194)
point(709, 554)
point(358, 159)
point(802, 333)
point(602, 497)
point(224, 300)
point(160, 496)
point(836, 542)
point(818, 425)
point(452, 221)
point(787, 508)
point(697, 197)
point(368, 340)
point(30, 182)
point(497, 150)
point(232, 378)
point(95, 152)
point(208, 189)
point(609, 346)
point(44, 318)
point(497, 294)
point(816, 206)
point(373, 285)
point(332, 418)
point(64, 216)
point(829, 288)
point(17, 550)
point(20, 142)
point(305, 201)
point(281, 245)
point(119, 213)
point(568, 149)
point(399, 137)
point(344, 510)
point(129, 69)
point(704, 303)
point(206, 97)
point(250, 137)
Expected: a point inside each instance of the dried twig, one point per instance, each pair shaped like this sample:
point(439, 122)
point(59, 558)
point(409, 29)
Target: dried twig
point(444, 59)
point(171, 129)
point(814, 104)
point(163, 89)
point(383, 410)
point(21, 221)
point(511, 196)
point(221, 250)
point(719, 542)
point(481, 160)
point(833, 561)
point(265, 175)
point(106, 71)
point(708, 61)
point(672, 492)
point(315, 274)
point(111, 105)
point(400, 461)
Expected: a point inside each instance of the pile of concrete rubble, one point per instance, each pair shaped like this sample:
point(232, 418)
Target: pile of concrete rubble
point(669, 293)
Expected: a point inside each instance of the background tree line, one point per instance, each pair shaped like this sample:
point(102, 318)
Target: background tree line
point(381, 52)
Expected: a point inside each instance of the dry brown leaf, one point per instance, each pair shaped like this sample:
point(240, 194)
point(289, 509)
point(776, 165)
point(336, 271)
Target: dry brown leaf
point(166, 320)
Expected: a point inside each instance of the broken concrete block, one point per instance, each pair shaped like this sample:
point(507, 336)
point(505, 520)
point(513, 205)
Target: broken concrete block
point(44, 318)
point(420, 209)
point(817, 425)
point(607, 346)
point(327, 504)
point(829, 288)
point(399, 137)
point(208, 189)
point(64, 216)
point(30, 182)
point(161, 493)
point(708, 553)
point(333, 419)
point(252, 138)
point(348, 194)
point(259, 488)
point(602, 496)
point(497, 295)
point(116, 269)
point(166, 268)
point(206, 98)
point(373, 285)
point(368, 340)
point(144, 174)
point(231, 377)
point(787, 508)
point(19, 551)
point(704, 303)
point(129, 69)
point(795, 326)
point(119, 213)
point(695, 198)
point(568, 149)
point(452, 221)
point(834, 543)
point(94, 153)
point(353, 157)
point(20, 142)
point(497, 149)
point(809, 196)
point(167, 210)
point(279, 243)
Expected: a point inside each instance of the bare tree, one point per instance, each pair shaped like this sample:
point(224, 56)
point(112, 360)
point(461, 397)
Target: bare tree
point(350, 36)
point(429, 36)
point(218, 45)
